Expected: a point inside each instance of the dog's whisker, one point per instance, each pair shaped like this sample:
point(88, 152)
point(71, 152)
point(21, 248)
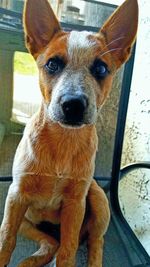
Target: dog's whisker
point(109, 51)
point(113, 41)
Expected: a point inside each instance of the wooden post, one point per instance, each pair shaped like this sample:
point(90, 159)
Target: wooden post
point(5, 3)
point(6, 85)
point(58, 7)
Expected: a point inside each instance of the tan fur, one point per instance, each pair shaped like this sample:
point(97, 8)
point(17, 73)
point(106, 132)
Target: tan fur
point(54, 165)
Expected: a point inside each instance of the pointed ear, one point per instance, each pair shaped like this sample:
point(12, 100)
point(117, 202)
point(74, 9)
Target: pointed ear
point(120, 31)
point(40, 25)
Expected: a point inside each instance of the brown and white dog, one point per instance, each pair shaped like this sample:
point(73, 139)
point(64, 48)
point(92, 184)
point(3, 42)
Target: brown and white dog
point(54, 162)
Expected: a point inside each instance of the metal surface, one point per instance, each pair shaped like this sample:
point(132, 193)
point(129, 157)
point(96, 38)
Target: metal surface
point(132, 166)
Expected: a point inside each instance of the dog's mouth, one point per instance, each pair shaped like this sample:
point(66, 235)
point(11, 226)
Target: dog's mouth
point(72, 125)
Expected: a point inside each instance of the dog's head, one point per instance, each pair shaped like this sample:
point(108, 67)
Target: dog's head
point(77, 68)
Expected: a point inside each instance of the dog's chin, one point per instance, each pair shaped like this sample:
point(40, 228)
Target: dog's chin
point(69, 124)
point(72, 126)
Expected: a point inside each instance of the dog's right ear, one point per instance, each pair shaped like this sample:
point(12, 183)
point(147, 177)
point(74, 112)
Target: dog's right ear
point(120, 31)
point(40, 25)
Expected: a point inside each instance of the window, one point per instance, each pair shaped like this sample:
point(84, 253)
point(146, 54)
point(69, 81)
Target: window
point(26, 93)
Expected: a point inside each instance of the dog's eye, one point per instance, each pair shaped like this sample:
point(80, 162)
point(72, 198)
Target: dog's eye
point(99, 69)
point(54, 65)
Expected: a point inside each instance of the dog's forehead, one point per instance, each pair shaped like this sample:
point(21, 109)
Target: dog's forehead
point(80, 44)
point(79, 40)
point(78, 49)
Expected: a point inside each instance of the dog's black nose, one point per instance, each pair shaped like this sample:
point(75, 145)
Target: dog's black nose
point(74, 107)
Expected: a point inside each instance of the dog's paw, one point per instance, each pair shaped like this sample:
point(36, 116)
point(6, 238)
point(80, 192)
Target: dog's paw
point(7, 245)
point(65, 258)
point(4, 259)
point(3, 264)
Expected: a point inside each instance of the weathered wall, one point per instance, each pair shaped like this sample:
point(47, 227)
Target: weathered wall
point(106, 126)
point(135, 188)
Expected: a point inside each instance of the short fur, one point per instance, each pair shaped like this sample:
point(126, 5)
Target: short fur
point(54, 162)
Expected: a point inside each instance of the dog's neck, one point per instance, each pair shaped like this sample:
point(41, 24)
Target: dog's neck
point(59, 145)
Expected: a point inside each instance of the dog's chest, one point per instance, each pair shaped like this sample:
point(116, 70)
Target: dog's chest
point(52, 193)
point(48, 202)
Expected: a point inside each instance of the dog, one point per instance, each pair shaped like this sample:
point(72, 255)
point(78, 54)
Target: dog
point(54, 162)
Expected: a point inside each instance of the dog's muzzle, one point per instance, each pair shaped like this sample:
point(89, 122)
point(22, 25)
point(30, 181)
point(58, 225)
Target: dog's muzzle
point(74, 108)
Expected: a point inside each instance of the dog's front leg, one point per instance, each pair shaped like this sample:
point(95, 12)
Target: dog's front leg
point(14, 211)
point(71, 220)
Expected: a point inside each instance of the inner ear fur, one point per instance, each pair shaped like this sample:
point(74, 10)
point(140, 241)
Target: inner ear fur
point(40, 25)
point(120, 31)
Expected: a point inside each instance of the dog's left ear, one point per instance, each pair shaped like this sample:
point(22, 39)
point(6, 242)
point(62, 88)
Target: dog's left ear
point(40, 25)
point(120, 31)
